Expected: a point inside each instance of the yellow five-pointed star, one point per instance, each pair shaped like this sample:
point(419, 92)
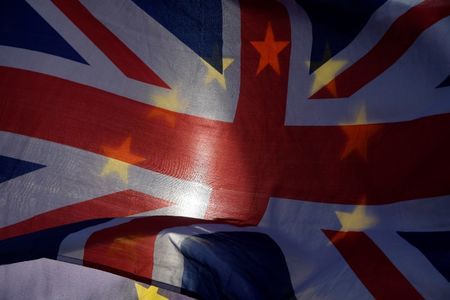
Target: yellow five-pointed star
point(122, 158)
point(213, 74)
point(269, 50)
point(327, 72)
point(150, 293)
point(114, 166)
point(168, 101)
point(357, 220)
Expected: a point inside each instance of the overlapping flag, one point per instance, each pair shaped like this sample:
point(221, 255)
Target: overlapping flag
point(227, 149)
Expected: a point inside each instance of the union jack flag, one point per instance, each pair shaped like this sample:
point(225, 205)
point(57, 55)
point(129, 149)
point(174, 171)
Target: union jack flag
point(230, 150)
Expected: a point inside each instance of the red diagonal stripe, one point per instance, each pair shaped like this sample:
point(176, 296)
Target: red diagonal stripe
point(114, 205)
point(128, 62)
point(400, 36)
point(372, 266)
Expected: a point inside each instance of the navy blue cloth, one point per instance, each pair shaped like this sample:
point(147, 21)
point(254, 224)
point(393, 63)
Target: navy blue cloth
point(235, 265)
point(445, 83)
point(21, 26)
point(435, 246)
point(335, 24)
point(197, 23)
point(11, 167)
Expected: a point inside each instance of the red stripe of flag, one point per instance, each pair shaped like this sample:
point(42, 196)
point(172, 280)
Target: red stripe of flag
point(248, 160)
point(396, 41)
point(372, 266)
point(128, 62)
point(120, 204)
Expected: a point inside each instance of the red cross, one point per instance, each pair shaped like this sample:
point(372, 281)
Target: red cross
point(251, 159)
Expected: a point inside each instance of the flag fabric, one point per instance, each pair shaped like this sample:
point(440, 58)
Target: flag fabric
point(49, 279)
point(228, 149)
